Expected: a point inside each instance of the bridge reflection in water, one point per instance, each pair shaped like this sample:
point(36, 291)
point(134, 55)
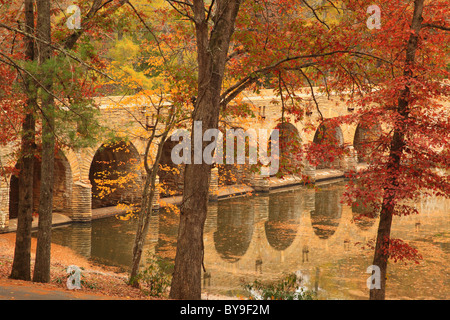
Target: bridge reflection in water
point(299, 230)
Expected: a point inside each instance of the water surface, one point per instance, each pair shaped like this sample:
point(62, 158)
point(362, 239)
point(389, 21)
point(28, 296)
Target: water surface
point(300, 230)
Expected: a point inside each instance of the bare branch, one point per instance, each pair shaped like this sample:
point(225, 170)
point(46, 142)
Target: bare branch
point(210, 9)
point(184, 14)
point(312, 93)
point(57, 48)
point(97, 5)
point(315, 14)
point(435, 26)
point(245, 82)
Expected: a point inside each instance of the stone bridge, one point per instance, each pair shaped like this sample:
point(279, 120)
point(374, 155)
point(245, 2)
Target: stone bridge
point(76, 192)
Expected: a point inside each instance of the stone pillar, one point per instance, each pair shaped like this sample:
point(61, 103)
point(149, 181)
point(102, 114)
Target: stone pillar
point(308, 208)
point(351, 161)
point(155, 200)
point(211, 219)
point(241, 174)
point(309, 200)
point(261, 217)
point(153, 235)
point(4, 203)
point(309, 170)
point(214, 185)
point(81, 238)
point(260, 183)
point(262, 209)
point(82, 202)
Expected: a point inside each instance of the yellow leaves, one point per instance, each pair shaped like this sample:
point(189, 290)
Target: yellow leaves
point(124, 218)
point(124, 51)
point(125, 54)
point(169, 169)
point(154, 61)
point(133, 79)
point(172, 207)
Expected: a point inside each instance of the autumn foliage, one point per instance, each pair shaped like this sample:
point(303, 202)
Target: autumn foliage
point(393, 77)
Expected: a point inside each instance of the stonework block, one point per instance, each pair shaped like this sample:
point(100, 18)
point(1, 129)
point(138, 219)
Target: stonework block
point(82, 202)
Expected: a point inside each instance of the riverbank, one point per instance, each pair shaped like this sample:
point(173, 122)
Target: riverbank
point(98, 282)
point(322, 176)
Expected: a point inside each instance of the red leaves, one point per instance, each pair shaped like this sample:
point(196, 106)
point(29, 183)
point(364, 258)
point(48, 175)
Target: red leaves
point(398, 250)
point(10, 105)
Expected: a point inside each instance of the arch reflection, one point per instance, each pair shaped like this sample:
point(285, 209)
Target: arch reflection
point(327, 214)
point(234, 230)
point(364, 215)
point(283, 223)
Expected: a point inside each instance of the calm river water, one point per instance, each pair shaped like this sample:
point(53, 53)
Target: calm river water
point(299, 230)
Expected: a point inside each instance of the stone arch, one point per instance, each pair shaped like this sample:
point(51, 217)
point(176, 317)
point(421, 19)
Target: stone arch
point(114, 174)
point(62, 187)
point(234, 173)
point(365, 138)
point(74, 163)
point(171, 175)
point(290, 147)
point(329, 134)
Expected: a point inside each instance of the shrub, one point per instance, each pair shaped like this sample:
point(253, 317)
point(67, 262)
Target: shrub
point(154, 279)
point(289, 288)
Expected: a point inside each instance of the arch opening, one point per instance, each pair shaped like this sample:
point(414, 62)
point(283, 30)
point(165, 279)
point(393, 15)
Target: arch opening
point(171, 175)
point(232, 171)
point(364, 141)
point(290, 148)
point(62, 187)
point(115, 175)
point(331, 137)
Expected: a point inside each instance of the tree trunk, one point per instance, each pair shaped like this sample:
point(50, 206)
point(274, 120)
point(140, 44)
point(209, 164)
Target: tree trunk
point(42, 263)
point(212, 50)
point(381, 255)
point(22, 252)
point(142, 228)
point(146, 205)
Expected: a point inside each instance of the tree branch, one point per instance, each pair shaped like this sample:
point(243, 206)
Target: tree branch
point(312, 94)
point(57, 48)
point(435, 26)
point(184, 14)
point(245, 82)
point(315, 14)
point(71, 40)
